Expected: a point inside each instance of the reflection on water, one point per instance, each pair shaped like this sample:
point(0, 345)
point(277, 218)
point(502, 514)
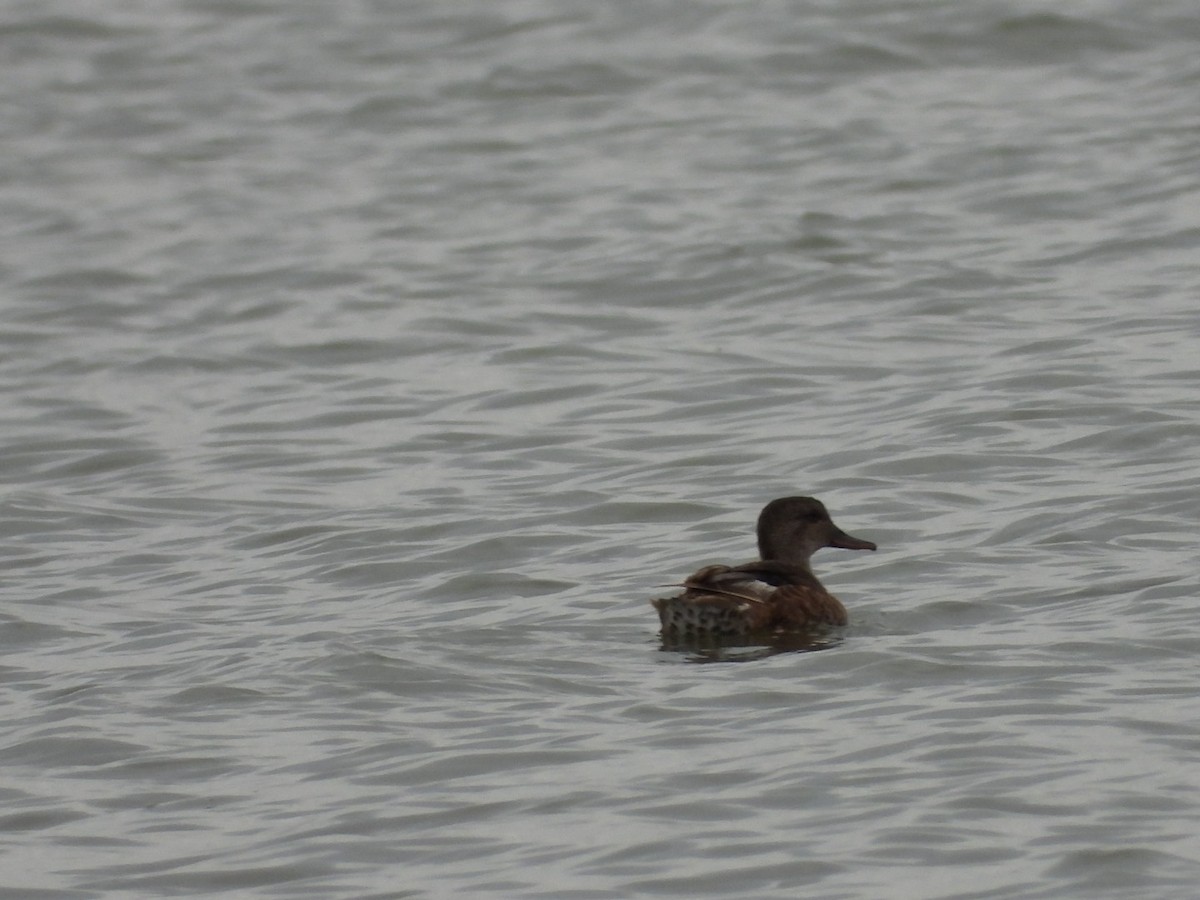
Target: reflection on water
point(744, 648)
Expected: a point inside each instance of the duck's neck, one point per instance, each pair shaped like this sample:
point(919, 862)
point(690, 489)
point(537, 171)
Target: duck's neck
point(786, 553)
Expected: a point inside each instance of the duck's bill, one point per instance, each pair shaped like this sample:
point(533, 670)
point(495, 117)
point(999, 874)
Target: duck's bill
point(847, 542)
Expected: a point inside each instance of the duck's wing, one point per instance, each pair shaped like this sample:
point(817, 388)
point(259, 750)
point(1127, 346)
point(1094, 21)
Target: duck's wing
point(728, 581)
point(776, 573)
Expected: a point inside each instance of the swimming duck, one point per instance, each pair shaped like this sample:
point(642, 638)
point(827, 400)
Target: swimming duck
point(776, 593)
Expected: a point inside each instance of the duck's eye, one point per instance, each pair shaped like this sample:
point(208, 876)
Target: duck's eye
point(810, 516)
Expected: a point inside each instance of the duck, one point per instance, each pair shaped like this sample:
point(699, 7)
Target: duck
point(776, 593)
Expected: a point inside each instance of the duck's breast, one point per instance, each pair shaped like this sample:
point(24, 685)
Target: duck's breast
point(800, 606)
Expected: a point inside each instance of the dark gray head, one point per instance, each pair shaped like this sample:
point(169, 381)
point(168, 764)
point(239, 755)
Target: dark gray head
point(791, 529)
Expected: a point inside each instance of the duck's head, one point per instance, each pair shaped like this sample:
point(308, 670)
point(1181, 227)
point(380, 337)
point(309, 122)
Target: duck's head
point(791, 529)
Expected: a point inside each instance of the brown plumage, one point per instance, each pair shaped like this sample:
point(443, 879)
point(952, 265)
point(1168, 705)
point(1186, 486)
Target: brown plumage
point(777, 593)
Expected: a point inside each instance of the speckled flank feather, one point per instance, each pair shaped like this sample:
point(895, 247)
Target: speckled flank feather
point(697, 613)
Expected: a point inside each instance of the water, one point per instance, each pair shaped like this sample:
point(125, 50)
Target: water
point(367, 367)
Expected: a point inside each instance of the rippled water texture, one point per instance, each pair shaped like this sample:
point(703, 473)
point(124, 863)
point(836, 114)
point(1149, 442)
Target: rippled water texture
point(366, 367)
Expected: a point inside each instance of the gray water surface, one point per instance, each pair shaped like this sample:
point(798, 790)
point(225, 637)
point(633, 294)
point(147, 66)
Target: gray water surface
point(366, 367)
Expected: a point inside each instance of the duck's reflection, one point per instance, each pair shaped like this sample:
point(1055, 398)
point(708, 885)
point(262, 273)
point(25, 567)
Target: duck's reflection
point(710, 649)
